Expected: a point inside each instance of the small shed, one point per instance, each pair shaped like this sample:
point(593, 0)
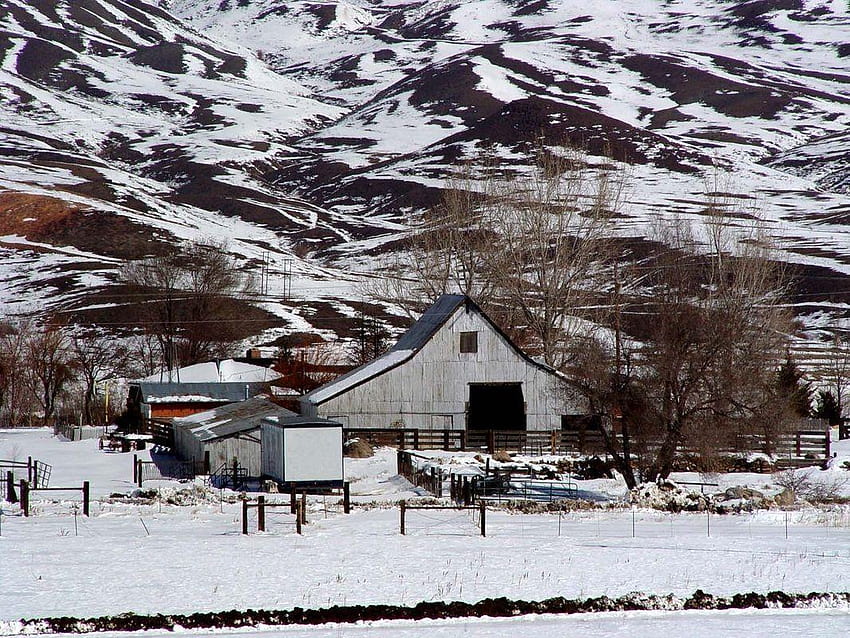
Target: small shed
point(227, 432)
point(302, 451)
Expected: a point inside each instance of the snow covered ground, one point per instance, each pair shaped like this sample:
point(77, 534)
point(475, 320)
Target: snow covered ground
point(155, 557)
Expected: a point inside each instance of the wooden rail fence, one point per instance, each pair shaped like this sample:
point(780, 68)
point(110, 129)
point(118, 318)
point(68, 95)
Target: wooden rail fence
point(26, 491)
point(161, 431)
point(788, 448)
point(429, 479)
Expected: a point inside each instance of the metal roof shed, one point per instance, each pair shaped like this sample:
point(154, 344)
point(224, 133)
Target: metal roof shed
point(303, 451)
point(227, 432)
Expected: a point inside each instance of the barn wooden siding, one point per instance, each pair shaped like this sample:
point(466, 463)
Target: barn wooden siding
point(431, 389)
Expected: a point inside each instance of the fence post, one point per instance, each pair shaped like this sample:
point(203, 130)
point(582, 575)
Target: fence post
point(298, 517)
point(10, 487)
point(554, 443)
point(245, 516)
point(491, 442)
point(304, 507)
point(416, 439)
point(25, 497)
point(483, 518)
point(346, 497)
point(35, 473)
point(445, 440)
point(462, 441)
point(29, 469)
point(293, 501)
point(135, 467)
point(827, 443)
point(207, 466)
point(798, 443)
point(139, 482)
point(261, 513)
point(401, 507)
point(86, 493)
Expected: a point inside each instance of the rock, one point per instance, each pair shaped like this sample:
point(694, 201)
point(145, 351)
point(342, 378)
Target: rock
point(358, 449)
point(501, 456)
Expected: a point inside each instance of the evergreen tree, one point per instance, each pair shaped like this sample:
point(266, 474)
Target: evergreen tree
point(792, 386)
point(827, 407)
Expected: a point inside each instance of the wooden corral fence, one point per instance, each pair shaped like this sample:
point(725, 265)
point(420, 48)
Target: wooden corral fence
point(430, 479)
point(37, 474)
point(26, 491)
point(404, 438)
point(161, 431)
point(792, 449)
point(524, 442)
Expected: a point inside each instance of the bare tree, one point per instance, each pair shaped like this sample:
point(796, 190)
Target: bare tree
point(97, 358)
point(190, 311)
point(553, 247)
point(529, 243)
point(50, 361)
point(705, 368)
point(16, 400)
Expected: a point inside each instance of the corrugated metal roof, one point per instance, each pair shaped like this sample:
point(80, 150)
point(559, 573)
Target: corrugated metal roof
point(409, 344)
point(429, 323)
point(199, 392)
point(231, 419)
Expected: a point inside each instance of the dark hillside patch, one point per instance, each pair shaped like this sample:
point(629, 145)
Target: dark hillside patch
point(521, 121)
point(38, 59)
point(54, 221)
point(689, 85)
point(166, 57)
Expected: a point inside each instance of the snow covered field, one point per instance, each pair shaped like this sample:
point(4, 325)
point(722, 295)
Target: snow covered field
point(154, 557)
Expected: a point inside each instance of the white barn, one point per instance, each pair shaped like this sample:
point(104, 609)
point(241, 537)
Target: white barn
point(453, 369)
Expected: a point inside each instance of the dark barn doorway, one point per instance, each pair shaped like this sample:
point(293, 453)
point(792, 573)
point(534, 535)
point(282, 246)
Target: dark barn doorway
point(496, 406)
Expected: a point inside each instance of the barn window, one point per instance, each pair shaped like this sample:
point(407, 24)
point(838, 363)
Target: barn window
point(469, 342)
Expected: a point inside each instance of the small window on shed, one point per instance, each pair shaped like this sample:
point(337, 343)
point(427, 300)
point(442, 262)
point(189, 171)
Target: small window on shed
point(469, 342)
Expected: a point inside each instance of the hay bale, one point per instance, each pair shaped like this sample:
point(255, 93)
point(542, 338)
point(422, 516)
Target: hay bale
point(358, 449)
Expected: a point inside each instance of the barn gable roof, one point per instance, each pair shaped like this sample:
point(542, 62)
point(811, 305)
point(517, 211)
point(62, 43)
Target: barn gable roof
point(231, 419)
point(419, 334)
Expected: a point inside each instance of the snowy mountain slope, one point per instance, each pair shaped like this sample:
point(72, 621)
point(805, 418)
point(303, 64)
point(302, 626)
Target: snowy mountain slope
point(314, 129)
point(123, 132)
